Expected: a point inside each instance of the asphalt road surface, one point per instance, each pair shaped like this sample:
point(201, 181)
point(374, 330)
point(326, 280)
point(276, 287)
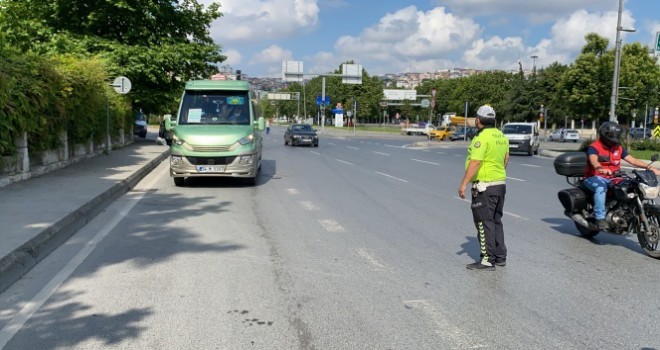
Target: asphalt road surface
point(360, 243)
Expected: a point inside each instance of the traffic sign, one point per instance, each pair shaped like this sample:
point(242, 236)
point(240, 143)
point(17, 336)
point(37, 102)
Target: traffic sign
point(657, 43)
point(425, 103)
point(320, 102)
point(122, 85)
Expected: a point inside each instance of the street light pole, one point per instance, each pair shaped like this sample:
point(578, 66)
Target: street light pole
point(534, 57)
point(617, 62)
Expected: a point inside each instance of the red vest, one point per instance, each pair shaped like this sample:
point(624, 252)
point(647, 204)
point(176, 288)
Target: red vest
point(609, 158)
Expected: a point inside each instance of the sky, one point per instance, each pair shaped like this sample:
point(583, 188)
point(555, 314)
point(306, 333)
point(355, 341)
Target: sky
point(388, 36)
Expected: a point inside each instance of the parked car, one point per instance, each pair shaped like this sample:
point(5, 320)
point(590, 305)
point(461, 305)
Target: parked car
point(563, 135)
point(301, 134)
point(556, 135)
point(571, 135)
point(460, 134)
point(140, 125)
point(638, 133)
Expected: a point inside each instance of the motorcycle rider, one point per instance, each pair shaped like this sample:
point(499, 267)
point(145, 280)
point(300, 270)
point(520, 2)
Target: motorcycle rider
point(604, 160)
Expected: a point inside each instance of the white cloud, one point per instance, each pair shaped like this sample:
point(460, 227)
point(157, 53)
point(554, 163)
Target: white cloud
point(262, 20)
point(234, 58)
point(410, 37)
point(534, 9)
point(322, 62)
point(271, 54)
point(495, 53)
point(568, 33)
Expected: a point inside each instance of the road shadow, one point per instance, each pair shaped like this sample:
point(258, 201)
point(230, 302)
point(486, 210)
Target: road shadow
point(567, 227)
point(470, 248)
point(71, 323)
point(267, 173)
point(150, 235)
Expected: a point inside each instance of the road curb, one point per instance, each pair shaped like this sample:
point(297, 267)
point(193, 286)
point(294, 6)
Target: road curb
point(16, 264)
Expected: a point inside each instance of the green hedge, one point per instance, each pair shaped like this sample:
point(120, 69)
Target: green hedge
point(44, 96)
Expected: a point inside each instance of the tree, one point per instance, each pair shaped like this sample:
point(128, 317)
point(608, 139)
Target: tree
point(586, 85)
point(158, 45)
point(639, 81)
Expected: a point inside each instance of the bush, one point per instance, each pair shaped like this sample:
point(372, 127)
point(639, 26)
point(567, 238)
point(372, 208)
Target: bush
point(645, 145)
point(44, 96)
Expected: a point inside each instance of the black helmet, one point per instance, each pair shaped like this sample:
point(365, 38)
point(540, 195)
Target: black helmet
point(610, 134)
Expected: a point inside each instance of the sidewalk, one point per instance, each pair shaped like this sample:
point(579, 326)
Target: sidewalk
point(39, 214)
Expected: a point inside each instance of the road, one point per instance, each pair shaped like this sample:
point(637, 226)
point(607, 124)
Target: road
point(360, 243)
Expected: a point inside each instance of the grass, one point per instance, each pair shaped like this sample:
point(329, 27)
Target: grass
point(642, 154)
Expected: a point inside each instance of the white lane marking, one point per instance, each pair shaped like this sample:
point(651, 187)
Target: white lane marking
point(317, 153)
point(516, 179)
point(343, 161)
point(331, 144)
point(423, 161)
point(38, 225)
point(373, 261)
point(381, 153)
point(351, 147)
point(292, 191)
point(441, 152)
point(458, 155)
point(331, 225)
point(390, 176)
point(444, 328)
point(516, 216)
point(396, 146)
point(18, 321)
point(309, 206)
point(505, 212)
point(531, 165)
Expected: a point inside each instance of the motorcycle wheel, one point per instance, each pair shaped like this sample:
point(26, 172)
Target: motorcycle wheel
point(649, 240)
point(585, 232)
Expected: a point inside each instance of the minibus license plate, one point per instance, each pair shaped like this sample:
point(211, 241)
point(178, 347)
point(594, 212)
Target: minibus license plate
point(211, 168)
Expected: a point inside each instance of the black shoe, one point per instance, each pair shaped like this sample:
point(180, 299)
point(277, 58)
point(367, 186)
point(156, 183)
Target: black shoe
point(602, 224)
point(500, 263)
point(479, 266)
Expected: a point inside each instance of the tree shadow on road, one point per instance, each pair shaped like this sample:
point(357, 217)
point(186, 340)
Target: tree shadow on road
point(71, 323)
point(152, 234)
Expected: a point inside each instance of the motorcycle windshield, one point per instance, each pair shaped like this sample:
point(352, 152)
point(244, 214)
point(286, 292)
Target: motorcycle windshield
point(648, 177)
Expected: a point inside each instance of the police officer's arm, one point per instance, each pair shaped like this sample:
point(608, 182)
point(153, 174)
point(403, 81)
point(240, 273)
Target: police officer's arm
point(638, 163)
point(471, 170)
point(506, 160)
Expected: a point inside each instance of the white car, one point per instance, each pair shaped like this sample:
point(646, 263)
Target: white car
point(556, 135)
point(563, 135)
point(571, 135)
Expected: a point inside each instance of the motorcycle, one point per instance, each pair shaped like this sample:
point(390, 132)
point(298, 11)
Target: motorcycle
point(630, 206)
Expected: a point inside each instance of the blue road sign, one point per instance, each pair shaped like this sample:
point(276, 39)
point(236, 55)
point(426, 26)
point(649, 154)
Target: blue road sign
point(320, 102)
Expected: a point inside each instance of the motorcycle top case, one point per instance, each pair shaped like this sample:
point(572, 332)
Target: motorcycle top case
point(571, 164)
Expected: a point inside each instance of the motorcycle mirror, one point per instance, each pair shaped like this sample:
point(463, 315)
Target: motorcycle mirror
point(654, 158)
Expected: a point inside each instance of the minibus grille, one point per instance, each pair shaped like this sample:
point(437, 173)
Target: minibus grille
point(211, 160)
point(211, 148)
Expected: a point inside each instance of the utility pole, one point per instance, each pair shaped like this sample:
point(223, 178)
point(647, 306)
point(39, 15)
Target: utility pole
point(617, 62)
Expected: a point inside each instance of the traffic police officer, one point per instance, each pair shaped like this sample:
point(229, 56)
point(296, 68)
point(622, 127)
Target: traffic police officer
point(485, 169)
